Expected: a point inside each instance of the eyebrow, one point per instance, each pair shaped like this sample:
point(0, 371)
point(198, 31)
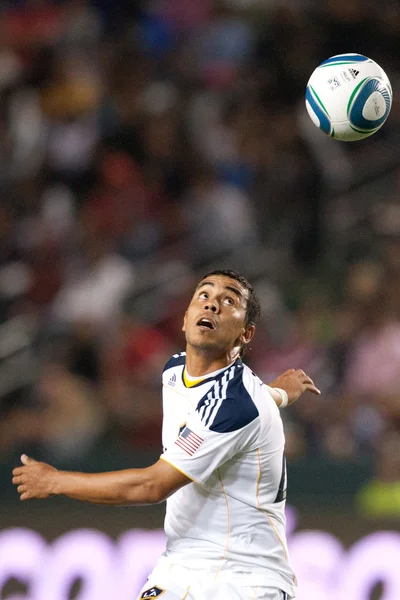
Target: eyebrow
point(235, 290)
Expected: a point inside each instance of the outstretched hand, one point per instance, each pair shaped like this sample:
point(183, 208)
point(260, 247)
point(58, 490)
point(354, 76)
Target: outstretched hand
point(295, 383)
point(34, 479)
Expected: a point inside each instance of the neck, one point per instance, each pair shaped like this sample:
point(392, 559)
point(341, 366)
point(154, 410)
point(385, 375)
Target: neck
point(199, 364)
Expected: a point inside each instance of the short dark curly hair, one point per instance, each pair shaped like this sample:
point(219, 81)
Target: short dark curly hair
point(253, 308)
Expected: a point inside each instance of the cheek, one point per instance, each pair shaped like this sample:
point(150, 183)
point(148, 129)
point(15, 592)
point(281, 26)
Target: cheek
point(184, 322)
point(237, 326)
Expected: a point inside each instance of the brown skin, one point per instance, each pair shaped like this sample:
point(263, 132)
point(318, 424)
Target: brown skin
point(128, 487)
point(223, 302)
point(295, 383)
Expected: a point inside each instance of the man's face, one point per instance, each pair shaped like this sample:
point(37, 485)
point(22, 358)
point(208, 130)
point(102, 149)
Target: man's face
point(215, 318)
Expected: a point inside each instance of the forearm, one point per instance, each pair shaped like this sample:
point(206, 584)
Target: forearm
point(277, 395)
point(127, 487)
point(151, 485)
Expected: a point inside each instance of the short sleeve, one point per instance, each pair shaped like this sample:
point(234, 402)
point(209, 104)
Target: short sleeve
point(199, 450)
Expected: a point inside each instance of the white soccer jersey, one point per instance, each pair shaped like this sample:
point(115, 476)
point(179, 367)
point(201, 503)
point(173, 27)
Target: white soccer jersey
point(226, 434)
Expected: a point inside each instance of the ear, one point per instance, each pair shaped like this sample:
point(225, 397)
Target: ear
point(247, 335)
point(184, 321)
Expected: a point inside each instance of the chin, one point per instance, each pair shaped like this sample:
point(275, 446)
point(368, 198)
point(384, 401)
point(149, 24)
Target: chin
point(199, 343)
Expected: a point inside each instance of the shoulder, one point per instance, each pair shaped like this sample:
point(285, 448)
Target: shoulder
point(177, 360)
point(229, 405)
point(172, 372)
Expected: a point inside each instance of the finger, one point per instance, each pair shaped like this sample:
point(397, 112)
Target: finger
point(24, 496)
point(17, 471)
point(301, 372)
point(26, 460)
point(16, 480)
point(309, 382)
point(314, 390)
point(21, 489)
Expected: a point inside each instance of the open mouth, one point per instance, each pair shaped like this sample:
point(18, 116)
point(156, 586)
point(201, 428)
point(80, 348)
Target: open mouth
point(205, 323)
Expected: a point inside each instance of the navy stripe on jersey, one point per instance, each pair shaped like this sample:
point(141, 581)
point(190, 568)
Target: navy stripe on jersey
point(228, 406)
point(281, 495)
point(176, 360)
point(208, 406)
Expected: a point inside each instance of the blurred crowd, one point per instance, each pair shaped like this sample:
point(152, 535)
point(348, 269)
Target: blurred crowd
point(145, 142)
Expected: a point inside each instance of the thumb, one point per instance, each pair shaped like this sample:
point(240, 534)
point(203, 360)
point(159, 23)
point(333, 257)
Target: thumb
point(26, 460)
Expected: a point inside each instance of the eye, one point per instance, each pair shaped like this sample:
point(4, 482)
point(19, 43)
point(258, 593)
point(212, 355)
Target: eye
point(203, 295)
point(229, 300)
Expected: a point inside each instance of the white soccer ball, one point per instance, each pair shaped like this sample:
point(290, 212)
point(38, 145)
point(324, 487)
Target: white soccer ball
point(349, 97)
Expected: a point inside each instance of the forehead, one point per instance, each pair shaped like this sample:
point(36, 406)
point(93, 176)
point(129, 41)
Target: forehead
point(222, 282)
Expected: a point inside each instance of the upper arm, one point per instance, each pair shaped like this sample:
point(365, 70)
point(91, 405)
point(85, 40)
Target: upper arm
point(200, 449)
point(164, 480)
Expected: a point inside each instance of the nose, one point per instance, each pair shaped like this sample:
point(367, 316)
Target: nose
point(212, 305)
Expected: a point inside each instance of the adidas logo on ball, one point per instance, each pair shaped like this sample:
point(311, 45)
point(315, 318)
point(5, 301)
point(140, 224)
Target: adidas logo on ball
point(354, 73)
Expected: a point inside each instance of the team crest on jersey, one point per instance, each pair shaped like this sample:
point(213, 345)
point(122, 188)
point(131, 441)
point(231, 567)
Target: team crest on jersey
point(154, 592)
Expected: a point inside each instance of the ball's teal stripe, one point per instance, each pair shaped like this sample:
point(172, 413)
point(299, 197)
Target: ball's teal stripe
point(366, 133)
point(335, 64)
point(354, 92)
point(343, 58)
point(324, 123)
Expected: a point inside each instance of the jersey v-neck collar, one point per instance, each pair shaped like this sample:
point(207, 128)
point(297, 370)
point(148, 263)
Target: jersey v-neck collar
point(190, 382)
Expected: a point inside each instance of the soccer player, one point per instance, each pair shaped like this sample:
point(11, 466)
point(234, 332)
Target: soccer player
point(222, 469)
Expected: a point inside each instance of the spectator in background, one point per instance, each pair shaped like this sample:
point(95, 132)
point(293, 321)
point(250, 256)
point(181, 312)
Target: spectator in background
point(224, 210)
point(97, 285)
point(129, 389)
point(373, 357)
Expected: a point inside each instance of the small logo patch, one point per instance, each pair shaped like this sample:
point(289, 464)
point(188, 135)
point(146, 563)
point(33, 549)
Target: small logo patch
point(354, 73)
point(172, 381)
point(333, 83)
point(154, 592)
point(376, 108)
point(345, 76)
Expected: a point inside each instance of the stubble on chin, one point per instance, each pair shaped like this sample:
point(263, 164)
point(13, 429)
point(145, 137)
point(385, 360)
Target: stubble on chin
point(202, 344)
